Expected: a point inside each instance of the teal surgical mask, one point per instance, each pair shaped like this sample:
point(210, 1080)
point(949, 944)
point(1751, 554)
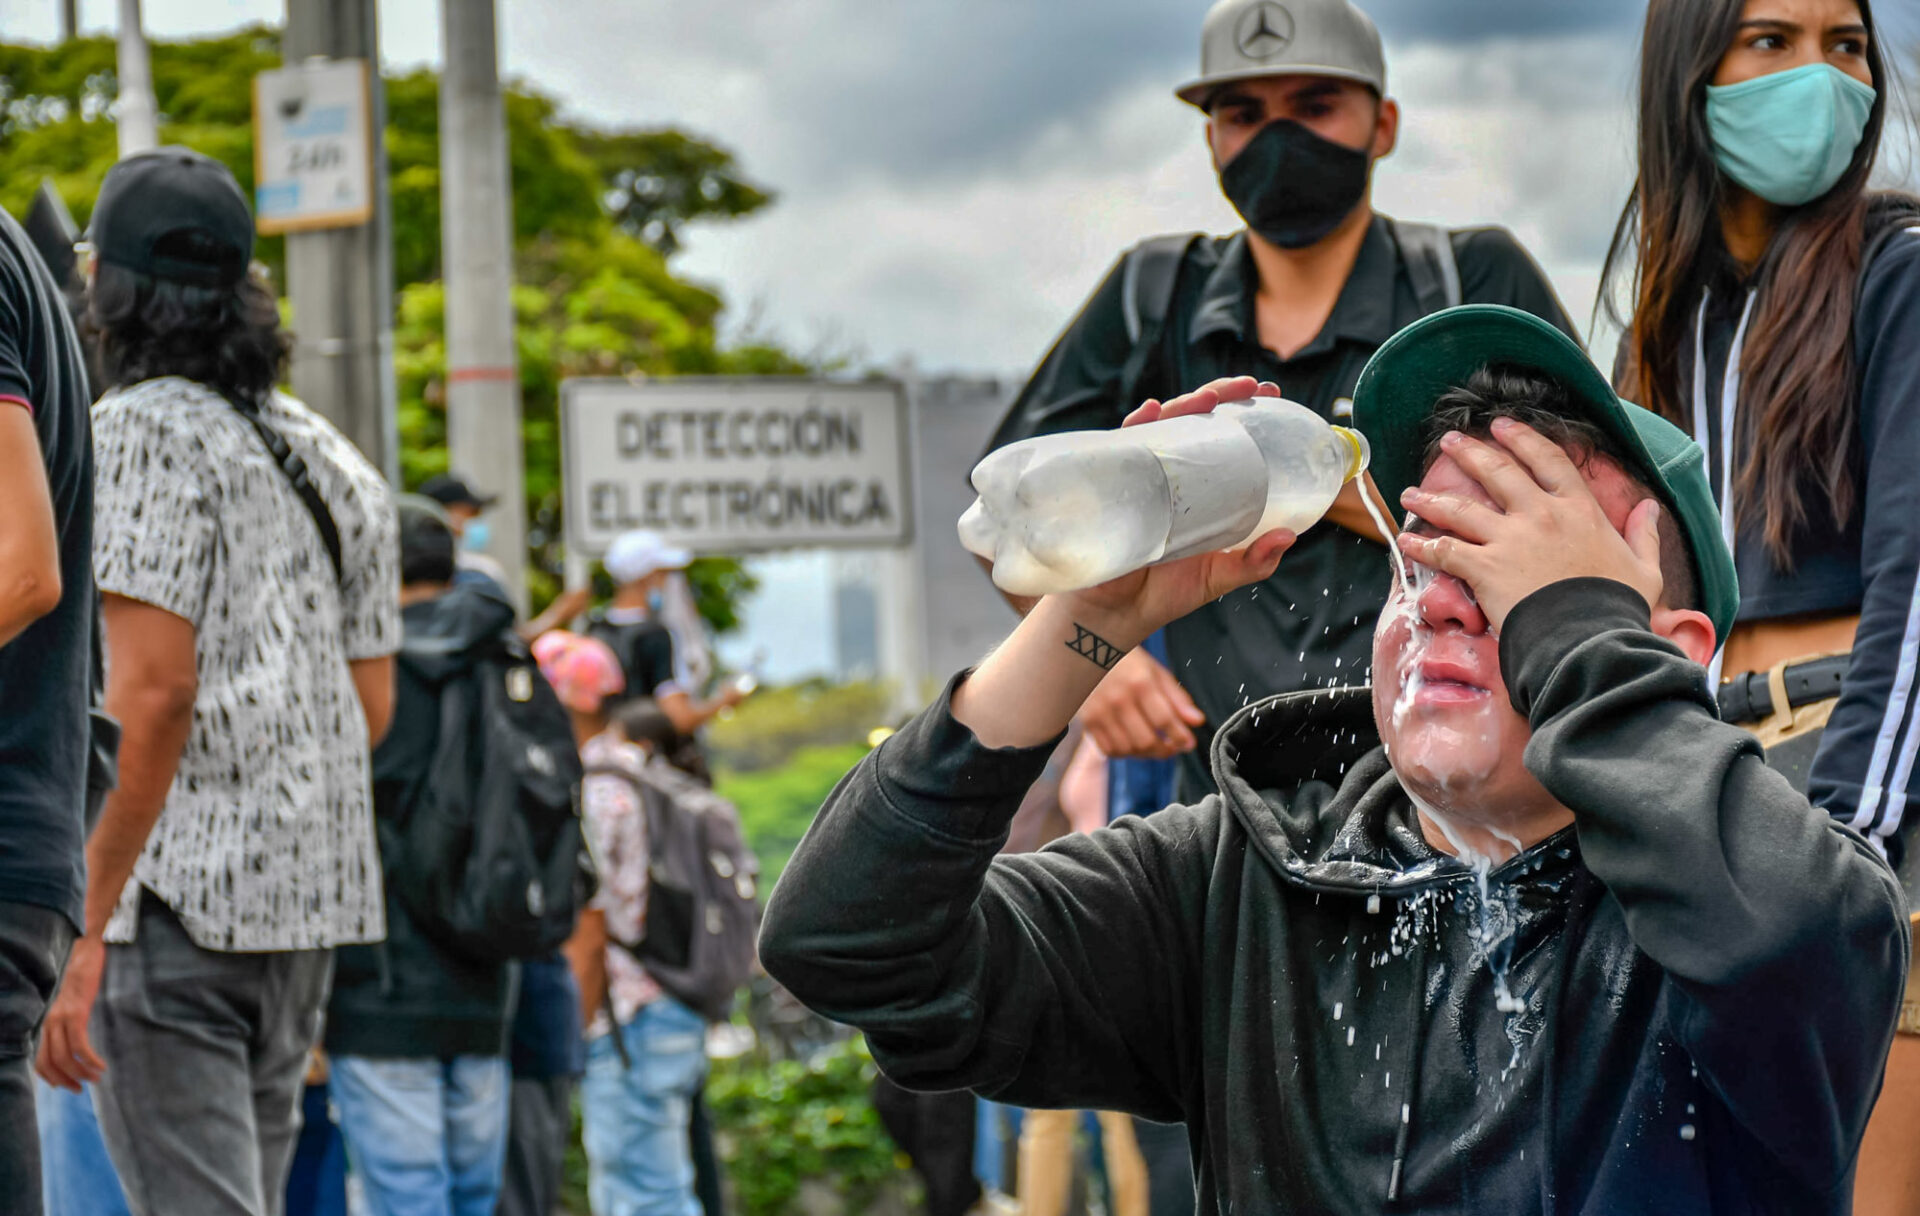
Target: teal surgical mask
point(1789, 136)
point(475, 539)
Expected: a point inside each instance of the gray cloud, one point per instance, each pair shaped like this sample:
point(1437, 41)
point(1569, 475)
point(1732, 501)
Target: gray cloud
point(1454, 22)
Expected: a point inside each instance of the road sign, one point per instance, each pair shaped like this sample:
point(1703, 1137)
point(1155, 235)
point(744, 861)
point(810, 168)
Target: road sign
point(312, 146)
point(731, 465)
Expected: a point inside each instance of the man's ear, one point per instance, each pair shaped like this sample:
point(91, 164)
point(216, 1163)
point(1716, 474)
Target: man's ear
point(1386, 129)
point(1691, 631)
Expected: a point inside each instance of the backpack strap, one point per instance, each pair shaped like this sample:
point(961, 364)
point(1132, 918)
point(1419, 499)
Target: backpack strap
point(1148, 277)
point(297, 475)
point(1427, 251)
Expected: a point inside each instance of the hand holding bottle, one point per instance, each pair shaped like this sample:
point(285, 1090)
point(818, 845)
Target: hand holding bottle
point(1136, 604)
point(1029, 688)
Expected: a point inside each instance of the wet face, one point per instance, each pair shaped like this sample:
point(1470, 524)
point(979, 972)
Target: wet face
point(1451, 732)
point(1779, 35)
point(1344, 112)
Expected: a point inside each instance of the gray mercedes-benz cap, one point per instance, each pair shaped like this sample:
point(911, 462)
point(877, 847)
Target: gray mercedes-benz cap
point(1244, 39)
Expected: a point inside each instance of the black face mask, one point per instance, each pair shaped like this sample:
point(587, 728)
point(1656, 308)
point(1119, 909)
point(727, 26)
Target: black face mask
point(1293, 187)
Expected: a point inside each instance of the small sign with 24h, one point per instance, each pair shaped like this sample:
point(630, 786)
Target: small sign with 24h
point(313, 146)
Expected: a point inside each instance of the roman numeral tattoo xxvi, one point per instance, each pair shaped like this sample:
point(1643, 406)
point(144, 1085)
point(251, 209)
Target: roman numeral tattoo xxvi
point(1094, 648)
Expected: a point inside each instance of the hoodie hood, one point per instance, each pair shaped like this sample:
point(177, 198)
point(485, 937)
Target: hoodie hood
point(443, 635)
point(1305, 774)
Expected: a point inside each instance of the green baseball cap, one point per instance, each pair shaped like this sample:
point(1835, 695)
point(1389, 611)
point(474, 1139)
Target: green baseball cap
point(1409, 373)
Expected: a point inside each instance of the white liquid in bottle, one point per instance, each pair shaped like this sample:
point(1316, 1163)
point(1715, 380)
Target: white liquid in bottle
point(1063, 512)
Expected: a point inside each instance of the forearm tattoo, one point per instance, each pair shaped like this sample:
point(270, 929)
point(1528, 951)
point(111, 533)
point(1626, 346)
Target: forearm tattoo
point(1094, 648)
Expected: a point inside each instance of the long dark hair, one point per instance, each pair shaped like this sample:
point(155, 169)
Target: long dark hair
point(228, 338)
point(1798, 368)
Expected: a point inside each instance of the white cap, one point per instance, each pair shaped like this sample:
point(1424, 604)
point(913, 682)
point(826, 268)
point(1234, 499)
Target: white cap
point(636, 554)
point(1245, 39)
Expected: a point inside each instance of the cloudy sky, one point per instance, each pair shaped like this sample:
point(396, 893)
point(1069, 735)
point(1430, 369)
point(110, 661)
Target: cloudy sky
point(955, 175)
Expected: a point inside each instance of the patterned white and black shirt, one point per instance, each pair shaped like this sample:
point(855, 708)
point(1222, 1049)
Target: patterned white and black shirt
point(267, 839)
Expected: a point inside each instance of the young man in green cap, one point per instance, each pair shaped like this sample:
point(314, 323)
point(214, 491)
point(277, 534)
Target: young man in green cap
point(1524, 928)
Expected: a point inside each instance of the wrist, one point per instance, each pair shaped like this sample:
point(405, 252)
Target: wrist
point(1070, 616)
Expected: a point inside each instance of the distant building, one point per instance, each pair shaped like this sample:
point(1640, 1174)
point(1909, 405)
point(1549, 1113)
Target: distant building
point(963, 615)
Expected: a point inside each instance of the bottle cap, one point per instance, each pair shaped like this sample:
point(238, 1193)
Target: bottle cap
point(1362, 453)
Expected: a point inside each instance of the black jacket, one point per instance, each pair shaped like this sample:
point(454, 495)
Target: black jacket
point(1710, 968)
point(406, 996)
point(1863, 772)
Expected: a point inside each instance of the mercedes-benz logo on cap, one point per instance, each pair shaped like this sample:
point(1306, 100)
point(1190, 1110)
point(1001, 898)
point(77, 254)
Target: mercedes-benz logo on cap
point(1264, 31)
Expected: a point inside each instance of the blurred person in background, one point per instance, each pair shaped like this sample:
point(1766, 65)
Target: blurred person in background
point(1777, 318)
point(646, 1052)
point(249, 562)
point(464, 507)
point(46, 655)
point(416, 1033)
point(547, 1053)
point(636, 626)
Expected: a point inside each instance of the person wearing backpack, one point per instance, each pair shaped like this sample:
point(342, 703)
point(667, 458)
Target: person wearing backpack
point(1297, 115)
point(416, 1030)
point(647, 979)
point(1776, 316)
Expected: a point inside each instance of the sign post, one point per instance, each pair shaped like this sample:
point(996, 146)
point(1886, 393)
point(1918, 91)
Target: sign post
point(736, 465)
point(312, 146)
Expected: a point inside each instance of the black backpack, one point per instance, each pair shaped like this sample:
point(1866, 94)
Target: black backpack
point(703, 909)
point(493, 861)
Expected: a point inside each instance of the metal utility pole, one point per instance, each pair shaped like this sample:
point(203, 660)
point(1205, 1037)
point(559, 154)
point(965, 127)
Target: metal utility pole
point(476, 253)
point(139, 118)
point(69, 20)
point(340, 280)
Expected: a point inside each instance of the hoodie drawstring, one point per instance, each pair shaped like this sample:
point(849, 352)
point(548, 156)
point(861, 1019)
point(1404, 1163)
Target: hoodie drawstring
point(1417, 1022)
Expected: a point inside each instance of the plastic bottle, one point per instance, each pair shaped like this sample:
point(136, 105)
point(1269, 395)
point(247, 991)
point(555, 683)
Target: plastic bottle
point(1063, 512)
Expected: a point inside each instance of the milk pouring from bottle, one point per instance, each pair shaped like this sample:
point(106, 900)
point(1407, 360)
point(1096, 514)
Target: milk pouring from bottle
point(1063, 512)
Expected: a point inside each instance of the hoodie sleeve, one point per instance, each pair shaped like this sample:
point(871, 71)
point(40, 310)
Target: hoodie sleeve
point(1863, 774)
point(1782, 933)
point(1056, 979)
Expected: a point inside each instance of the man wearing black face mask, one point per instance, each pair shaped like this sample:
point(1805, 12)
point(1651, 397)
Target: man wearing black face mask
point(1297, 113)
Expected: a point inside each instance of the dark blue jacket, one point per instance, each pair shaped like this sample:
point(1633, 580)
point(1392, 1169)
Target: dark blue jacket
point(1864, 773)
point(1708, 969)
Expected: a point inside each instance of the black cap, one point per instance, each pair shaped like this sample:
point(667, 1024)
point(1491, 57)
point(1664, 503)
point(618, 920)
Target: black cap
point(451, 491)
point(152, 200)
point(426, 541)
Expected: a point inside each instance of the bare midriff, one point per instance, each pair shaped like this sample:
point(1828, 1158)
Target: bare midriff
point(1760, 646)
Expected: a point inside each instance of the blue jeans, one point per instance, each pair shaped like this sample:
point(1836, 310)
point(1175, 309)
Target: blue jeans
point(73, 1158)
point(427, 1137)
point(638, 1161)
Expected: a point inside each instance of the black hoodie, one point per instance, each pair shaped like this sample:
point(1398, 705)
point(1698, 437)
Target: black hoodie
point(408, 997)
point(1709, 970)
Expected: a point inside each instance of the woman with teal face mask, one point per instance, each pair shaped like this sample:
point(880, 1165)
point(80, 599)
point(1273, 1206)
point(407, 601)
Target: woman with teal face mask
point(1776, 316)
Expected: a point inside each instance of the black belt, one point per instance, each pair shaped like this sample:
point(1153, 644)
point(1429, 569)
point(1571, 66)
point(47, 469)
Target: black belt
point(1746, 698)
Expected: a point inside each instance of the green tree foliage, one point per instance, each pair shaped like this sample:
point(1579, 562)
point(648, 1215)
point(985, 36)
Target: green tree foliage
point(778, 806)
point(596, 214)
